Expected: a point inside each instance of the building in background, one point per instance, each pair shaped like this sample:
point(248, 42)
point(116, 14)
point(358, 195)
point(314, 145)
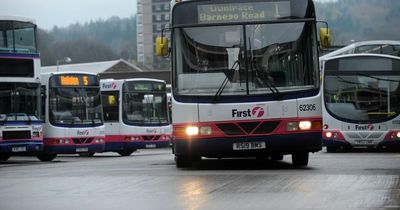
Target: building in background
point(152, 17)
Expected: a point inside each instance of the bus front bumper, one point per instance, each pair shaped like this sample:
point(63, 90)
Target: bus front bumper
point(223, 147)
point(52, 149)
point(22, 147)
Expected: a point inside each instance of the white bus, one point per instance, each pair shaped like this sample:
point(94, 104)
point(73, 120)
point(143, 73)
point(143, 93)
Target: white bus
point(73, 114)
point(245, 80)
point(20, 111)
point(135, 114)
point(361, 101)
point(387, 47)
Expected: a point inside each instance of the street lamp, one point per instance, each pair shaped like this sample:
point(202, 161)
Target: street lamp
point(65, 60)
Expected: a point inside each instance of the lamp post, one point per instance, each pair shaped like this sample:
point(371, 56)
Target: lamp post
point(65, 60)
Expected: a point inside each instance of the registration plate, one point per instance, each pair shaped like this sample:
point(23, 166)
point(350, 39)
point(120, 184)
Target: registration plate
point(82, 149)
point(19, 149)
point(248, 145)
point(151, 146)
point(364, 142)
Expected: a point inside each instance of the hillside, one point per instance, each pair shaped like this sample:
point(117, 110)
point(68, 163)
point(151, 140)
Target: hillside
point(361, 20)
point(99, 40)
point(115, 38)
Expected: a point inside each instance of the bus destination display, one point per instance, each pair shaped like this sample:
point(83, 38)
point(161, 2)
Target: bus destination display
point(75, 80)
point(252, 11)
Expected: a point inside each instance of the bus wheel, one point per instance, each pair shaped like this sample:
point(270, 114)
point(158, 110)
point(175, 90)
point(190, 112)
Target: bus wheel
point(86, 154)
point(183, 161)
point(4, 157)
point(331, 149)
point(276, 157)
point(47, 157)
point(126, 152)
point(300, 159)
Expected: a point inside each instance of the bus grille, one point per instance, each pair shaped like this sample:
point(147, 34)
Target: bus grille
point(248, 128)
point(151, 138)
point(82, 140)
point(10, 135)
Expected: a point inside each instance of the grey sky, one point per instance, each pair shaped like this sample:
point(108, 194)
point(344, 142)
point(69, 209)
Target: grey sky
point(61, 13)
point(49, 13)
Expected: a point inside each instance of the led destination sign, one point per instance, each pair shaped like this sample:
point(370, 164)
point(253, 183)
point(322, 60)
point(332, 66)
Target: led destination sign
point(74, 80)
point(252, 11)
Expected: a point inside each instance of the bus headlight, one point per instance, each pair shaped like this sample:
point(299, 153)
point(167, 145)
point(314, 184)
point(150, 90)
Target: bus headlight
point(292, 126)
point(205, 130)
point(192, 130)
point(328, 135)
point(305, 125)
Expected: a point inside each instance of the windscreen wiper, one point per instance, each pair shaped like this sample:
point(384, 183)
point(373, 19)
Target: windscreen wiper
point(225, 82)
point(274, 90)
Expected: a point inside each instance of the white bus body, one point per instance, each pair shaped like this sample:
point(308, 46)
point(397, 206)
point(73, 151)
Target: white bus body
point(21, 129)
point(244, 81)
point(73, 114)
point(361, 101)
point(135, 114)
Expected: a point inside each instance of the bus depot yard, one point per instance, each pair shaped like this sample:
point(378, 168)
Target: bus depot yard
point(254, 119)
point(149, 179)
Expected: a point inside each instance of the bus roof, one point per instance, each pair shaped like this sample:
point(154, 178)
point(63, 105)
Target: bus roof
point(132, 79)
point(17, 18)
point(350, 48)
point(362, 55)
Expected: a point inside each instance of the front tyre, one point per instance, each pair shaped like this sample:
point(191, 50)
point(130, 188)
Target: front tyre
point(183, 161)
point(331, 149)
point(300, 159)
point(4, 157)
point(126, 152)
point(46, 157)
point(86, 154)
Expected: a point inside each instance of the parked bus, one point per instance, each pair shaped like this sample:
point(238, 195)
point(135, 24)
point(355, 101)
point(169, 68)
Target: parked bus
point(135, 115)
point(387, 47)
point(73, 114)
point(20, 124)
point(245, 80)
point(361, 101)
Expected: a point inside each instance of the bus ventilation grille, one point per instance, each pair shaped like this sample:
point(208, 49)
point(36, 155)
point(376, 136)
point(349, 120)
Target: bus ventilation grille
point(248, 128)
point(151, 138)
point(82, 140)
point(11, 135)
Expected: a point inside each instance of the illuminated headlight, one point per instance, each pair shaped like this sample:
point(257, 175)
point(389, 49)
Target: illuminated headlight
point(328, 134)
point(192, 130)
point(395, 135)
point(305, 125)
point(205, 130)
point(99, 140)
point(292, 126)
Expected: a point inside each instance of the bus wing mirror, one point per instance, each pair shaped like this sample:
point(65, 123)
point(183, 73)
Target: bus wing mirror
point(162, 46)
point(325, 37)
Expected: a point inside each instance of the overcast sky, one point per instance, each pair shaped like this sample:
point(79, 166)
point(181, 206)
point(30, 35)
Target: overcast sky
point(61, 13)
point(49, 13)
